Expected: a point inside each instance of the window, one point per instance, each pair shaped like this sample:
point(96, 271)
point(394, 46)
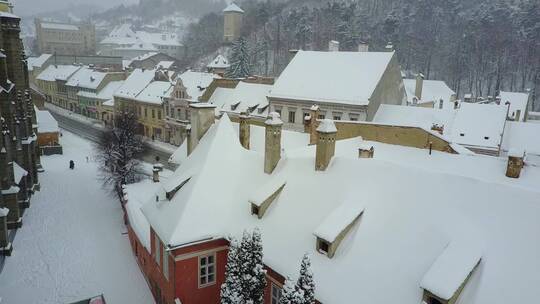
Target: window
point(278, 111)
point(207, 270)
point(353, 117)
point(145, 113)
point(275, 294)
point(292, 114)
point(321, 116)
point(157, 244)
point(159, 114)
point(323, 246)
point(337, 117)
point(153, 114)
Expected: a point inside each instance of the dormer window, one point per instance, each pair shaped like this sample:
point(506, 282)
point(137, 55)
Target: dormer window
point(174, 185)
point(335, 227)
point(234, 106)
point(265, 196)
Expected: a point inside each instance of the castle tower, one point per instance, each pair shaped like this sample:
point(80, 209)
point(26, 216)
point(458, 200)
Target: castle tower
point(233, 17)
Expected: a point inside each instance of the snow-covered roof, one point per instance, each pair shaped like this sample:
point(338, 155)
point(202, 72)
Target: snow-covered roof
point(518, 101)
point(4, 212)
point(144, 56)
point(220, 62)
point(59, 26)
point(432, 90)
point(244, 98)
point(8, 15)
point(46, 122)
point(37, 62)
point(334, 77)
point(87, 78)
point(451, 269)
point(480, 125)
point(122, 34)
point(196, 83)
point(402, 228)
point(135, 83)
point(58, 72)
point(170, 39)
point(521, 135)
point(233, 8)
point(165, 64)
point(476, 125)
point(155, 92)
point(327, 126)
point(108, 91)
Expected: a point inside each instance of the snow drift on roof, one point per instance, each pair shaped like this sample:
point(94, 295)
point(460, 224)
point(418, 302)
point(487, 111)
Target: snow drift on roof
point(135, 83)
point(338, 77)
point(480, 125)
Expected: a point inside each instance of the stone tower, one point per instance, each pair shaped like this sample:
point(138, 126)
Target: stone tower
point(233, 17)
point(272, 144)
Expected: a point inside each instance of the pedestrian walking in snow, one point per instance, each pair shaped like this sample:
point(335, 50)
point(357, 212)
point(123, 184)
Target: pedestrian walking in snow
point(87, 159)
point(71, 164)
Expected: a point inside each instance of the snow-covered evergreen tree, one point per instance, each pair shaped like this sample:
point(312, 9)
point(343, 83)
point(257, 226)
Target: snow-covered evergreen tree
point(239, 60)
point(231, 289)
point(305, 281)
point(303, 292)
point(253, 275)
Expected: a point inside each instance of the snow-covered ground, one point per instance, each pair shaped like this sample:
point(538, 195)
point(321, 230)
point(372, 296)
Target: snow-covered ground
point(72, 244)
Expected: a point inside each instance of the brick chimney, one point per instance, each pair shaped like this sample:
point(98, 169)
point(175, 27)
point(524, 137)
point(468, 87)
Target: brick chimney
point(333, 46)
point(419, 85)
point(311, 126)
point(244, 130)
point(515, 163)
point(5, 245)
point(272, 144)
point(326, 144)
point(366, 151)
point(202, 117)
point(363, 47)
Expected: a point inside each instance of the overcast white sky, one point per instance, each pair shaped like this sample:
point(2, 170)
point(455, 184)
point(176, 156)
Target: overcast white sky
point(30, 7)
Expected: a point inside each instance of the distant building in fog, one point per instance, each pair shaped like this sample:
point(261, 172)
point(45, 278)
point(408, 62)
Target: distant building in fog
point(65, 38)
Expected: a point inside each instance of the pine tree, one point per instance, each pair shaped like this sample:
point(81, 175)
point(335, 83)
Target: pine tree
point(305, 281)
point(231, 289)
point(290, 293)
point(253, 275)
point(240, 60)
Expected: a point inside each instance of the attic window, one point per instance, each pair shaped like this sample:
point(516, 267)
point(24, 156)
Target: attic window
point(335, 227)
point(265, 196)
point(234, 106)
point(461, 134)
point(170, 194)
point(252, 108)
point(486, 137)
point(261, 110)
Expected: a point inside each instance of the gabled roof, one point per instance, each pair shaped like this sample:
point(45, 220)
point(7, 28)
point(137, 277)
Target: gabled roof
point(403, 228)
point(154, 92)
point(220, 62)
point(246, 96)
point(480, 125)
point(46, 122)
point(87, 78)
point(432, 90)
point(38, 61)
point(58, 72)
point(233, 8)
point(333, 77)
point(196, 83)
point(108, 91)
point(135, 83)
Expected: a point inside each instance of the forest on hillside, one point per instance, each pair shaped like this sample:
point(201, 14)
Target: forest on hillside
point(478, 47)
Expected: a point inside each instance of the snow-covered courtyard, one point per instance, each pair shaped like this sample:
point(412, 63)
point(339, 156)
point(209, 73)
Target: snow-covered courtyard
point(73, 243)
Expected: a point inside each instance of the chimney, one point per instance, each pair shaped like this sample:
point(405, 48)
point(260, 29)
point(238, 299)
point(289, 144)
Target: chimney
point(389, 47)
point(441, 103)
point(518, 115)
point(313, 123)
point(366, 151)
point(515, 163)
point(333, 46)
point(155, 174)
point(5, 245)
point(202, 117)
point(244, 132)
point(272, 144)
point(363, 47)
point(326, 144)
point(419, 85)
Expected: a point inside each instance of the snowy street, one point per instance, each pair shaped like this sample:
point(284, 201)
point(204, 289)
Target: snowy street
point(73, 243)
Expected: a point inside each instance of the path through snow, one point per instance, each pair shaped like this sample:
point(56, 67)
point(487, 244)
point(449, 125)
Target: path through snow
point(71, 245)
